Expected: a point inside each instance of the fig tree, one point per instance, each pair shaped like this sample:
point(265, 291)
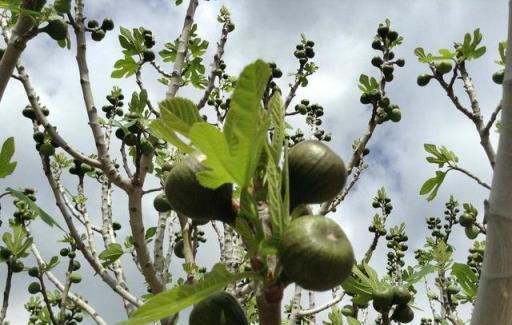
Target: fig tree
point(218, 309)
point(188, 197)
point(315, 253)
point(316, 173)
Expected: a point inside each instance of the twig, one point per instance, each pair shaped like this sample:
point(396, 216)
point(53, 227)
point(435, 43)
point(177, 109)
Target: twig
point(124, 157)
point(138, 79)
point(467, 173)
point(186, 32)
point(65, 292)
point(77, 300)
point(92, 114)
point(7, 293)
point(323, 307)
point(157, 189)
point(215, 65)
point(95, 263)
point(187, 246)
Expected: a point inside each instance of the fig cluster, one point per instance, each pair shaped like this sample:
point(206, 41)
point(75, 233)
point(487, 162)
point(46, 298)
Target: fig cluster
point(304, 51)
point(386, 297)
point(115, 105)
point(98, 31)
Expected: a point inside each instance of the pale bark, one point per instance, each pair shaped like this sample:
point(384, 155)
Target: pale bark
point(181, 54)
point(23, 31)
point(494, 301)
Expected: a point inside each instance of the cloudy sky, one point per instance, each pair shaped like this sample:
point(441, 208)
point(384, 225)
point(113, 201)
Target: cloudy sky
point(270, 29)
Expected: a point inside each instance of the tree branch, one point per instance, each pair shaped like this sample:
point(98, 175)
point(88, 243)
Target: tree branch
point(216, 63)
point(7, 293)
point(175, 81)
point(467, 173)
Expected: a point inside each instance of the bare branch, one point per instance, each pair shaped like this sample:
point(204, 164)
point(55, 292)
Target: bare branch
point(472, 176)
point(323, 307)
point(186, 32)
point(103, 155)
point(492, 119)
point(7, 294)
point(215, 65)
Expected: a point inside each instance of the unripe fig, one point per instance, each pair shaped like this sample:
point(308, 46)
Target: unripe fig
point(424, 79)
point(107, 24)
point(98, 35)
point(57, 29)
point(34, 288)
point(161, 204)
point(443, 67)
point(498, 77)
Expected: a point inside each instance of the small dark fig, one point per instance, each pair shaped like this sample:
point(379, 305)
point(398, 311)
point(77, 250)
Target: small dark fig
point(161, 204)
point(218, 309)
point(443, 67)
point(230, 27)
point(64, 252)
point(5, 252)
point(387, 69)
point(116, 226)
point(389, 77)
point(316, 173)
point(29, 112)
point(403, 314)
point(310, 53)
point(57, 29)
point(188, 197)
point(401, 295)
point(365, 99)
point(423, 79)
point(92, 24)
point(179, 249)
point(400, 62)
point(376, 45)
point(107, 24)
point(98, 35)
point(17, 266)
point(33, 271)
point(34, 288)
point(382, 299)
point(383, 31)
point(498, 77)
point(310, 43)
point(315, 253)
point(130, 139)
point(392, 35)
point(377, 61)
point(148, 56)
point(277, 73)
point(47, 149)
point(75, 266)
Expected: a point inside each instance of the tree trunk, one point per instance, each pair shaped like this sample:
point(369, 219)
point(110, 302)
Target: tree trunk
point(494, 301)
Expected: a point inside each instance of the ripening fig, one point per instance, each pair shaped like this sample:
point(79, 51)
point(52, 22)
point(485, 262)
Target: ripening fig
point(424, 79)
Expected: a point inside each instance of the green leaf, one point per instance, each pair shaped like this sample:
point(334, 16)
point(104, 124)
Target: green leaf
point(174, 300)
point(6, 166)
point(223, 168)
point(111, 254)
point(277, 112)
point(163, 131)
point(18, 242)
point(273, 182)
point(34, 207)
point(423, 272)
point(432, 185)
point(353, 321)
point(245, 126)
point(179, 114)
point(124, 67)
point(467, 279)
